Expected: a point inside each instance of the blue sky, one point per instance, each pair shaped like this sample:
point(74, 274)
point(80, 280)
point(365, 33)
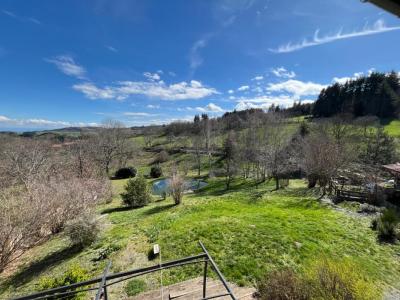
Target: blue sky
point(72, 63)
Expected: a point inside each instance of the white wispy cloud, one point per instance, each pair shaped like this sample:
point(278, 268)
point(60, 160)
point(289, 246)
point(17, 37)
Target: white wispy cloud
point(258, 78)
point(91, 91)
point(243, 88)
point(34, 20)
point(40, 123)
point(152, 106)
point(281, 72)
point(111, 48)
point(296, 87)
point(211, 107)
point(157, 89)
point(157, 121)
point(138, 114)
point(378, 27)
point(343, 80)
point(9, 13)
point(152, 76)
point(20, 18)
point(196, 60)
point(231, 91)
point(264, 102)
point(67, 65)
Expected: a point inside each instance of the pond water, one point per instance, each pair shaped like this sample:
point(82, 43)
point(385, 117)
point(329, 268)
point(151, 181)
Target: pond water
point(161, 186)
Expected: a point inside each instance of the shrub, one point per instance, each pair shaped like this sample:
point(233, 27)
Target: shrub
point(104, 253)
point(386, 225)
point(156, 171)
point(324, 280)
point(82, 231)
point(134, 287)
point(177, 188)
point(73, 275)
point(137, 193)
point(368, 208)
point(161, 157)
point(127, 172)
point(283, 285)
point(341, 280)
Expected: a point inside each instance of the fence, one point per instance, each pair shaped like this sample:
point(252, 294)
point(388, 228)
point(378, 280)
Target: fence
point(107, 279)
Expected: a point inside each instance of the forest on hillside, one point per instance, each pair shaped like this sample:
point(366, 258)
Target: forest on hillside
point(377, 95)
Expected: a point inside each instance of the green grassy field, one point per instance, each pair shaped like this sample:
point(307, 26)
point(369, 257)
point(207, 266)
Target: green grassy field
point(249, 230)
point(392, 127)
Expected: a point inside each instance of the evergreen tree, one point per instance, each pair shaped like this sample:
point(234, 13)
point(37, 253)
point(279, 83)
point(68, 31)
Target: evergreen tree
point(375, 95)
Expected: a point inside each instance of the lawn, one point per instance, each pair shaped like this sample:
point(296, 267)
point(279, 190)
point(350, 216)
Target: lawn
point(249, 230)
point(392, 127)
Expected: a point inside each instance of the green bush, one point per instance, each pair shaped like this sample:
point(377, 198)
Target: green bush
point(137, 193)
point(73, 275)
point(386, 225)
point(156, 171)
point(82, 231)
point(127, 172)
point(135, 286)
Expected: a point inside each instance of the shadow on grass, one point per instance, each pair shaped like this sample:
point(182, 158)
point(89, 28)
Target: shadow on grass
point(37, 267)
point(310, 204)
point(116, 209)
point(157, 209)
point(219, 188)
point(386, 121)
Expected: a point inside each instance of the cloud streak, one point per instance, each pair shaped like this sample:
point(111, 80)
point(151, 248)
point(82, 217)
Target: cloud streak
point(68, 66)
point(378, 27)
point(21, 19)
point(156, 89)
point(40, 123)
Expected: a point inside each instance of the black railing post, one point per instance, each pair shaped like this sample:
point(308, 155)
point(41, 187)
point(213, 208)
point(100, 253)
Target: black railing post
point(102, 287)
point(205, 279)
point(215, 267)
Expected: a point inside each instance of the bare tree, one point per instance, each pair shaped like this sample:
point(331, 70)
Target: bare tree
point(70, 198)
point(111, 145)
point(275, 147)
point(322, 158)
point(177, 186)
point(230, 158)
point(21, 221)
point(340, 128)
point(80, 157)
point(24, 160)
point(197, 147)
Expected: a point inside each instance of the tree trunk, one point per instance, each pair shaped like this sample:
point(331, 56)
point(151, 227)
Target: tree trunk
point(276, 182)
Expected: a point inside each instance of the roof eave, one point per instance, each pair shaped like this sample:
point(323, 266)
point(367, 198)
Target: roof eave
point(392, 6)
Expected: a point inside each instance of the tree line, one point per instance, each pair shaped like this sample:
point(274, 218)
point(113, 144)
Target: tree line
point(376, 95)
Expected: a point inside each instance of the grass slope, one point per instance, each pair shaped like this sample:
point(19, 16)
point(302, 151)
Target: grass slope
point(392, 127)
point(248, 230)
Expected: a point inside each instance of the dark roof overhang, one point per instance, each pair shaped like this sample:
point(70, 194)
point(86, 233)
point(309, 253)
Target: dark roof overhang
point(392, 6)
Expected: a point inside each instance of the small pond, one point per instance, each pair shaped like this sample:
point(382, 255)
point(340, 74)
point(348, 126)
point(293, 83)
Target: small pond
point(161, 186)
